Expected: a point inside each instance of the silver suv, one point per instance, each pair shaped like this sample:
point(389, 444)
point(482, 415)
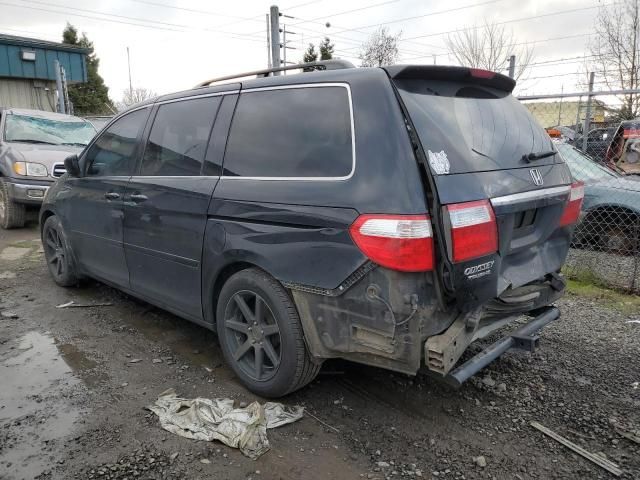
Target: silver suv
point(33, 146)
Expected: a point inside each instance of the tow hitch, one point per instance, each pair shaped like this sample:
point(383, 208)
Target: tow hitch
point(524, 338)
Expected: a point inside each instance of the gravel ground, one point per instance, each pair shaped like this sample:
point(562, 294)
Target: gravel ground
point(72, 402)
point(616, 271)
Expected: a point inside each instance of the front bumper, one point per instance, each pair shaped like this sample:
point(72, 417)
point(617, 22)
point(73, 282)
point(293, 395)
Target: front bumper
point(30, 192)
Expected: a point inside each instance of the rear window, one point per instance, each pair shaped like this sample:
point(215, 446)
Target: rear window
point(469, 128)
point(292, 132)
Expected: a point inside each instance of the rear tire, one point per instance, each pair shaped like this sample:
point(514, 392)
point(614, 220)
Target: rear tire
point(261, 335)
point(58, 254)
point(12, 214)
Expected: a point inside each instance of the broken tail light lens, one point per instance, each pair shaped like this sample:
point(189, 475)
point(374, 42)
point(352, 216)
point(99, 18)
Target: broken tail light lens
point(398, 242)
point(572, 210)
point(474, 231)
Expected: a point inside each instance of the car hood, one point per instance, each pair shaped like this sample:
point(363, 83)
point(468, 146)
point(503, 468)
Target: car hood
point(619, 184)
point(40, 153)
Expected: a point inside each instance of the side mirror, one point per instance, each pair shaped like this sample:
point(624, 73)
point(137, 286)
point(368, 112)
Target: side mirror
point(72, 165)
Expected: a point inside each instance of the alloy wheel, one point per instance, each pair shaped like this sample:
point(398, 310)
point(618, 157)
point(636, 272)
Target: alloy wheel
point(54, 250)
point(253, 335)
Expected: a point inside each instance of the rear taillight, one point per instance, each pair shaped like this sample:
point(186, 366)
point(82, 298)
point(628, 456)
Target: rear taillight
point(572, 210)
point(474, 232)
point(398, 242)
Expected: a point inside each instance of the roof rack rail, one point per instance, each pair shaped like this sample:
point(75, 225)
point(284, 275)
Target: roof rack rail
point(312, 66)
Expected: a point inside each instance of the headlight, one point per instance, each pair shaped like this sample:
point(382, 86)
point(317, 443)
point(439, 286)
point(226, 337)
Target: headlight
point(30, 169)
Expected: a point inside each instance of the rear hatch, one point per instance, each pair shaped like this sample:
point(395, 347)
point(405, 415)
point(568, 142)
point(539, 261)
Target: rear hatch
point(501, 190)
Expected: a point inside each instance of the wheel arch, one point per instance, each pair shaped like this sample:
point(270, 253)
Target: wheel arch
point(608, 209)
point(211, 291)
point(43, 216)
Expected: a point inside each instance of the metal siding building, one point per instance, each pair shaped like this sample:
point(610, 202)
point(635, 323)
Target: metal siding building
point(27, 71)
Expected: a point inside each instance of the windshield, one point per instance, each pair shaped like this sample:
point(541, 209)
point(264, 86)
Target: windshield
point(473, 128)
point(23, 128)
point(582, 167)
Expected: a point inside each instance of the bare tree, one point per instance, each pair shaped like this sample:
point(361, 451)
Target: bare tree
point(135, 95)
point(489, 46)
point(614, 52)
point(381, 48)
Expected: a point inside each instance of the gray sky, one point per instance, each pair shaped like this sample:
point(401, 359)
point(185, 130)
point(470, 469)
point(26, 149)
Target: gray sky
point(175, 44)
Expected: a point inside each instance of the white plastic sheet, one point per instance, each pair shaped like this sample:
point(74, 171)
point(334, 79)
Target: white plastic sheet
point(207, 419)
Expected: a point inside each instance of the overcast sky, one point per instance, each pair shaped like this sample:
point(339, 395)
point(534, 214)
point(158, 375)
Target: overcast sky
point(176, 44)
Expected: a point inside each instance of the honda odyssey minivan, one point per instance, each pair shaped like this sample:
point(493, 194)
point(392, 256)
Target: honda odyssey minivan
point(388, 216)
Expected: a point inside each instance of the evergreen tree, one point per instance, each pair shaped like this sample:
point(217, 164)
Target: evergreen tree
point(310, 54)
point(326, 49)
point(91, 97)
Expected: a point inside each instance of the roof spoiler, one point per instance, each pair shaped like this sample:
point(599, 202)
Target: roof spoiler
point(440, 72)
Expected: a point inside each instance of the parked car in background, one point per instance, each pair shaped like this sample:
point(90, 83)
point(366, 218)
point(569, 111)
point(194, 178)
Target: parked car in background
point(567, 133)
point(389, 216)
point(610, 219)
point(623, 153)
point(598, 142)
point(33, 146)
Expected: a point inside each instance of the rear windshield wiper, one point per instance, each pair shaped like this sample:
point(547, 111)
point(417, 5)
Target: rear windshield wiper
point(532, 157)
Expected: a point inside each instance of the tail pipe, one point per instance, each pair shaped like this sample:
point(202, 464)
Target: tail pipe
point(524, 338)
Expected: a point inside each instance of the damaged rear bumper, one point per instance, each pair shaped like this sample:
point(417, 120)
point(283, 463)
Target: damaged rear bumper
point(524, 338)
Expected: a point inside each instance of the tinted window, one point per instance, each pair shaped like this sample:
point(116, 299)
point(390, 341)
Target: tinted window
point(113, 153)
point(179, 137)
point(471, 128)
point(297, 132)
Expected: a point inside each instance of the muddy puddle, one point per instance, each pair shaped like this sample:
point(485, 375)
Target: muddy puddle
point(39, 402)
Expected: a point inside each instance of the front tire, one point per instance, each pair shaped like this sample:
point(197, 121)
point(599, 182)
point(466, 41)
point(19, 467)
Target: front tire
point(57, 253)
point(12, 214)
point(261, 335)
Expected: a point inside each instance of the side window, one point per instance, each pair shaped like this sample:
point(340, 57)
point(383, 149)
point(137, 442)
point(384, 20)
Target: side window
point(179, 136)
point(112, 154)
point(292, 132)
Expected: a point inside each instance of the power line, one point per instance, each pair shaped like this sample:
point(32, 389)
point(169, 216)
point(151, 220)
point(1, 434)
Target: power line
point(359, 29)
point(299, 5)
point(514, 20)
point(355, 43)
point(529, 42)
point(430, 14)
point(151, 24)
point(194, 10)
point(344, 12)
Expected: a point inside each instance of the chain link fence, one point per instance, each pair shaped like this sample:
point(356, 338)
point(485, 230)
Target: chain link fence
point(603, 151)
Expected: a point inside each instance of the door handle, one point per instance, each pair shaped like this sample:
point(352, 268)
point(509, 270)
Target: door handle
point(112, 196)
point(138, 198)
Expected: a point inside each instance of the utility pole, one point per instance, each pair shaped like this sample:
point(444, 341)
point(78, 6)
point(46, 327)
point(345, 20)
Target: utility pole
point(268, 42)
point(130, 84)
point(65, 91)
point(275, 37)
point(587, 118)
point(512, 66)
point(59, 89)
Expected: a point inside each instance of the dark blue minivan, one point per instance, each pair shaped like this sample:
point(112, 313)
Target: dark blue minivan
point(389, 216)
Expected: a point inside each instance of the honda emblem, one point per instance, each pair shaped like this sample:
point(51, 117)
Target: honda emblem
point(536, 176)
